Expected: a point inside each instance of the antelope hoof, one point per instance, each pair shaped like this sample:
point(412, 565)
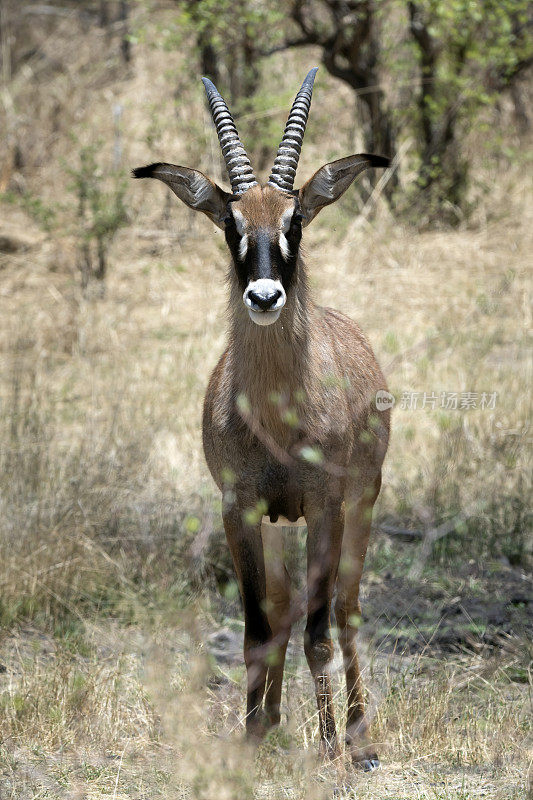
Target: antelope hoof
point(367, 763)
point(361, 749)
point(256, 728)
point(272, 719)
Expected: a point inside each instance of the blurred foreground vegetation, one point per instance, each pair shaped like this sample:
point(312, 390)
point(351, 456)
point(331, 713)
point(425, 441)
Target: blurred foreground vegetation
point(120, 667)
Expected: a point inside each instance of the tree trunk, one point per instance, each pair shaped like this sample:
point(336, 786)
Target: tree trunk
point(351, 52)
point(379, 134)
point(101, 269)
point(125, 44)
point(208, 59)
point(521, 112)
point(103, 13)
point(443, 174)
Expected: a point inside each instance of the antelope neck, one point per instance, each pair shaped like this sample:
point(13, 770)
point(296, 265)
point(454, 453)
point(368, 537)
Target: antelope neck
point(271, 359)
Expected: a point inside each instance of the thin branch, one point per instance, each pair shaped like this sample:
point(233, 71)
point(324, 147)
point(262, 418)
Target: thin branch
point(407, 534)
point(303, 41)
point(433, 535)
point(46, 10)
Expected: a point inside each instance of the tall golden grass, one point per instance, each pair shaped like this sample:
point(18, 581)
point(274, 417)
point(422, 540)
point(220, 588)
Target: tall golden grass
point(106, 597)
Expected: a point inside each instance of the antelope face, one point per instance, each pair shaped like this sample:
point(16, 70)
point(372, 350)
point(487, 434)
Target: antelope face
point(263, 230)
point(263, 224)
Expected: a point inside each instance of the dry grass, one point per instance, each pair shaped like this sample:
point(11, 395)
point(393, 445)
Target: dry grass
point(450, 731)
point(103, 486)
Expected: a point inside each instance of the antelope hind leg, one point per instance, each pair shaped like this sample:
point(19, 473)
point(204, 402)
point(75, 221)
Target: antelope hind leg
point(324, 526)
point(347, 615)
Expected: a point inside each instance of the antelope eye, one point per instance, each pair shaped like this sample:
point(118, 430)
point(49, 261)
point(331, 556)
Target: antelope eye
point(296, 221)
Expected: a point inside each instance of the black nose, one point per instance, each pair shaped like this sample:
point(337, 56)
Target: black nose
point(264, 299)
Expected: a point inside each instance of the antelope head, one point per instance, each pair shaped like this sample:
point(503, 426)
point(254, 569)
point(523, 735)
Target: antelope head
point(262, 224)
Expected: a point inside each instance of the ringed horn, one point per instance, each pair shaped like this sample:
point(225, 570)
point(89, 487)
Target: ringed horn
point(286, 162)
point(238, 164)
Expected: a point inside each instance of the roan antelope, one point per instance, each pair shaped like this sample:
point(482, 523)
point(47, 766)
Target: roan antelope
point(291, 431)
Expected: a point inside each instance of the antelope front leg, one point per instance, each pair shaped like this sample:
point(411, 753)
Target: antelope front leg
point(324, 538)
point(247, 551)
point(279, 616)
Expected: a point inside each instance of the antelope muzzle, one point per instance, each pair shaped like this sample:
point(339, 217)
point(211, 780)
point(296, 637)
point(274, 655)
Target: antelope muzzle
point(264, 298)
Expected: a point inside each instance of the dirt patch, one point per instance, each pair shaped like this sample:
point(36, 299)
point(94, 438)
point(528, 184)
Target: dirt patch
point(482, 609)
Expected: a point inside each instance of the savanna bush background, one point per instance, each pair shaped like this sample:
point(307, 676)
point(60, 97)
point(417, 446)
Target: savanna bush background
point(113, 568)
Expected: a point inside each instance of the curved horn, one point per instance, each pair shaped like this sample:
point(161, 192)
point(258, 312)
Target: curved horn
point(240, 170)
point(286, 161)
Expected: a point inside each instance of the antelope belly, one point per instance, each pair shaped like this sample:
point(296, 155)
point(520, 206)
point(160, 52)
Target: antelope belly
point(283, 522)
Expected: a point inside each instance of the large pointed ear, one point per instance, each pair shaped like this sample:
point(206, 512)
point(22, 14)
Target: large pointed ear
point(332, 180)
point(193, 187)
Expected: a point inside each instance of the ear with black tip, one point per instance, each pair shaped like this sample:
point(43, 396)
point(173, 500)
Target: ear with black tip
point(332, 180)
point(193, 187)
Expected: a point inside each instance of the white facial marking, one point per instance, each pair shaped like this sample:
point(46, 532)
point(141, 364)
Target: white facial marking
point(240, 224)
point(243, 247)
point(264, 287)
point(285, 223)
point(286, 220)
point(284, 246)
